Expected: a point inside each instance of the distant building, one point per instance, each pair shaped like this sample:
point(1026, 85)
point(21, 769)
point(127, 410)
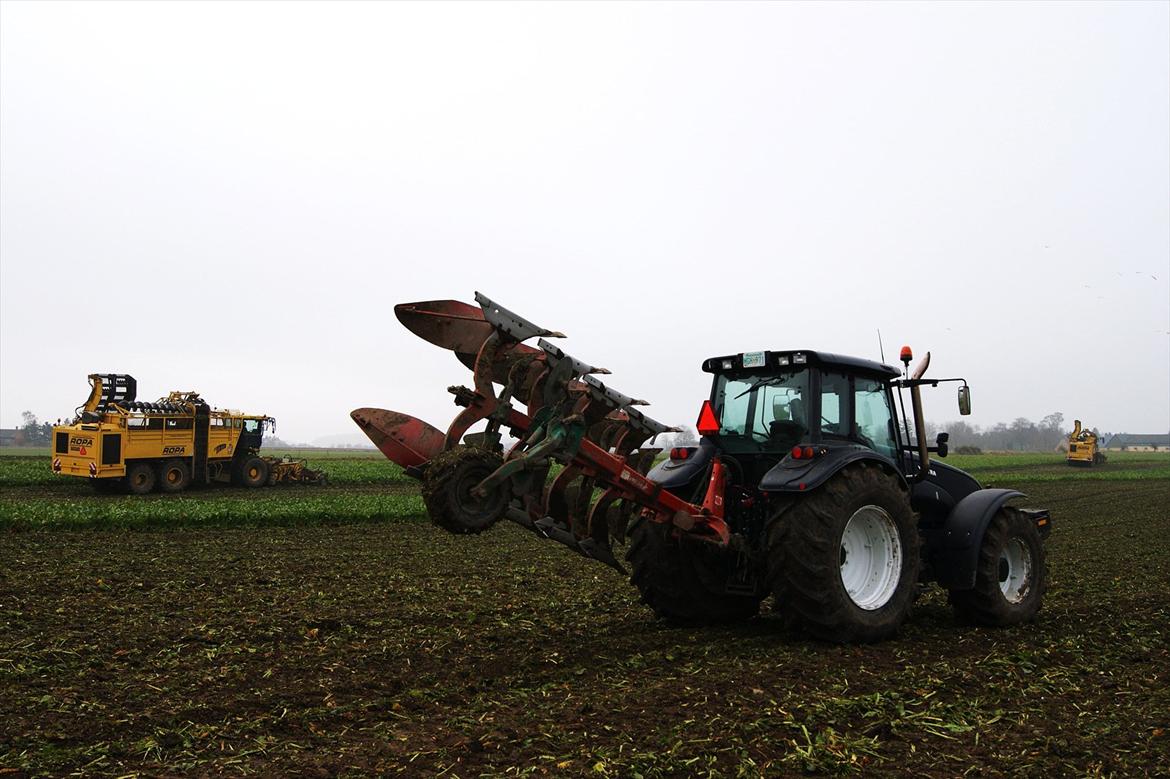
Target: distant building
point(1133, 442)
point(11, 436)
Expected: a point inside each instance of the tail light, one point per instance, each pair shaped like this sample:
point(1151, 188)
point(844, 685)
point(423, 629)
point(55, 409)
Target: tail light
point(680, 453)
point(806, 452)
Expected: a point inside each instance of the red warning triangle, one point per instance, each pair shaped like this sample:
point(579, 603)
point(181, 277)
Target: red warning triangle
point(708, 424)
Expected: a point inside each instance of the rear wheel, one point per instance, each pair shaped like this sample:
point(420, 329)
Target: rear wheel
point(843, 561)
point(253, 472)
point(174, 476)
point(1011, 575)
point(447, 490)
point(687, 581)
point(140, 478)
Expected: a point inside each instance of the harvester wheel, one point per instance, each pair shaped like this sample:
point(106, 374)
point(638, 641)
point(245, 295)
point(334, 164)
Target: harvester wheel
point(686, 581)
point(253, 472)
point(1010, 577)
point(843, 561)
point(140, 478)
point(447, 484)
point(174, 476)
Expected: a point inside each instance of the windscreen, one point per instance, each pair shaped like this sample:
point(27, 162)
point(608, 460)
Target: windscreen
point(761, 413)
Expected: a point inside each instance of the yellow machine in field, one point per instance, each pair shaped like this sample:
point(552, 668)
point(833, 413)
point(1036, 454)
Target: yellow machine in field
point(124, 444)
point(1082, 447)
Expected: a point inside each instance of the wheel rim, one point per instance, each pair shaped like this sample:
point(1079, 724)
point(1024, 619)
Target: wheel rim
point(1015, 571)
point(173, 476)
point(253, 472)
point(477, 509)
point(871, 558)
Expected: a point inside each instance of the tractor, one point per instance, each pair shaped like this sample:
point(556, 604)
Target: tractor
point(809, 484)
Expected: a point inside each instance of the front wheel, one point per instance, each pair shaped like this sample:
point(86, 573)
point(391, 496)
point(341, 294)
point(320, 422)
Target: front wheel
point(843, 561)
point(1011, 575)
point(253, 472)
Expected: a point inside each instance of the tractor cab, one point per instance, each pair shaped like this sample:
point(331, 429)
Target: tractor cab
point(769, 402)
point(772, 415)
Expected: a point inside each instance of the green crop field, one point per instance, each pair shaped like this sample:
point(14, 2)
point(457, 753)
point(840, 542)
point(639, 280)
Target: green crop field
point(331, 630)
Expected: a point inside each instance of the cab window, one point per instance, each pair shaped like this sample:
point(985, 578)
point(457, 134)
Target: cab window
point(875, 422)
point(761, 412)
point(834, 404)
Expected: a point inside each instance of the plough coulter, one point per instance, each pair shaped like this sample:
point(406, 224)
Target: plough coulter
point(807, 484)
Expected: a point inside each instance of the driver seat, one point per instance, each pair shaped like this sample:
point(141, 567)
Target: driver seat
point(783, 430)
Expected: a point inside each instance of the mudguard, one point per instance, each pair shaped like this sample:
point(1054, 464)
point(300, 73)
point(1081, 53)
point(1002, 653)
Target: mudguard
point(791, 475)
point(676, 474)
point(954, 549)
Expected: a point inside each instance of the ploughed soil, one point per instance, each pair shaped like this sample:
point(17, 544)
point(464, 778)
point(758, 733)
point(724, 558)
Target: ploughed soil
point(395, 648)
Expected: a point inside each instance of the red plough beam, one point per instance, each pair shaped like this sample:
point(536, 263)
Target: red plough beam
point(569, 417)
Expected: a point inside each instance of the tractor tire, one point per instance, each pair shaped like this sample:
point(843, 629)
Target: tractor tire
point(174, 476)
point(1011, 575)
point(843, 560)
point(684, 582)
point(140, 478)
point(446, 489)
point(253, 472)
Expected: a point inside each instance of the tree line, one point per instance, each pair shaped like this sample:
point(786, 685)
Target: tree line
point(1020, 435)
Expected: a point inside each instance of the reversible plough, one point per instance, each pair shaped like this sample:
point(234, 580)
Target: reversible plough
point(469, 481)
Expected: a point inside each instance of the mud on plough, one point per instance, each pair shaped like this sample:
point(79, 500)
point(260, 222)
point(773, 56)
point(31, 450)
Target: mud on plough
point(570, 417)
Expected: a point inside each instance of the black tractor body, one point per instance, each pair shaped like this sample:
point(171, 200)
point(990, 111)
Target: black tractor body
point(803, 435)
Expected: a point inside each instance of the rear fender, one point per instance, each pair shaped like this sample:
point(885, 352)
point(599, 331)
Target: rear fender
point(954, 549)
point(674, 475)
point(791, 475)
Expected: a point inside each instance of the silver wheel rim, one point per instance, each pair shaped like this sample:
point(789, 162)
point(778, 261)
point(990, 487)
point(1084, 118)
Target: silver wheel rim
point(871, 558)
point(1015, 570)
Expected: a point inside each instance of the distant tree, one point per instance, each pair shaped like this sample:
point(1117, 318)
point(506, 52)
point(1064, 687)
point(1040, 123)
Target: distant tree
point(35, 432)
point(1054, 421)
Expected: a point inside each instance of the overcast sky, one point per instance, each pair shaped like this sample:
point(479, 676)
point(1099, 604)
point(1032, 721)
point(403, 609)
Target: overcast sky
point(231, 197)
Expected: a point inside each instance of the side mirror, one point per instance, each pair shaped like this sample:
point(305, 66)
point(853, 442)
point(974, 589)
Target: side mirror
point(940, 443)
point(964, 400)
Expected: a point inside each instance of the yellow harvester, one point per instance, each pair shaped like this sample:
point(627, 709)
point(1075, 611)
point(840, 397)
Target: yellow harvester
point(123, 444)
point(1082, 447)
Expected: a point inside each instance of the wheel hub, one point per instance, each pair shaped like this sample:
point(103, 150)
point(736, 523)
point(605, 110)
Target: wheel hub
point(871, 557)
point(1015, 571)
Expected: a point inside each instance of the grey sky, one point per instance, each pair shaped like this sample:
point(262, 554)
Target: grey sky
point(231, 197)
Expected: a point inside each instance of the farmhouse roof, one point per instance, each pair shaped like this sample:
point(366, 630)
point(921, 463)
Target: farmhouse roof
point(1139, 439)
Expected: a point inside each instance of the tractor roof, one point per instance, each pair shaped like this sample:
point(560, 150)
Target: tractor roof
point(796, 358)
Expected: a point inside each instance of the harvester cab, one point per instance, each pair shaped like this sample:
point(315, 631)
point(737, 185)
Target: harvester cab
point(808, 484)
